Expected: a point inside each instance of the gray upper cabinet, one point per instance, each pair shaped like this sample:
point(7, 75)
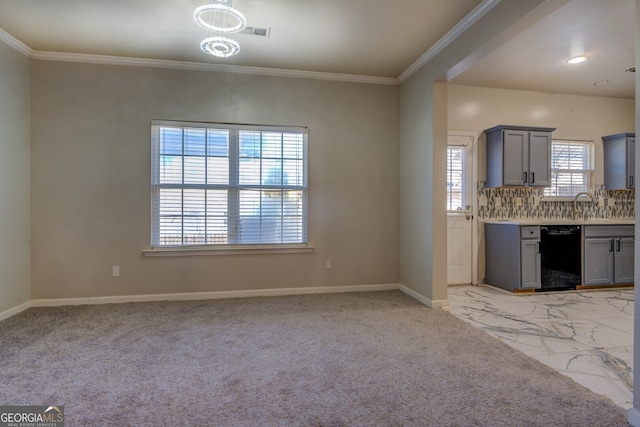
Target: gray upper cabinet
point(619, 161)
point(518, 156)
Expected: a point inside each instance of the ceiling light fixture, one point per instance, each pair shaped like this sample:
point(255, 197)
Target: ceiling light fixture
point(577, 59)
point(221, 47)
point(219, 17)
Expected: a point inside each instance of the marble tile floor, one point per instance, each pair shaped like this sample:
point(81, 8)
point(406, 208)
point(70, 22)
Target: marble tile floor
point(586, 335)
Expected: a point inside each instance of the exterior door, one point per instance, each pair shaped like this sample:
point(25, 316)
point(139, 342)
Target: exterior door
point(459, 211)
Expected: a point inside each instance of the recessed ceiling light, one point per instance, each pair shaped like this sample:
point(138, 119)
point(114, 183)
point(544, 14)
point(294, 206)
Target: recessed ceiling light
point(577, 59)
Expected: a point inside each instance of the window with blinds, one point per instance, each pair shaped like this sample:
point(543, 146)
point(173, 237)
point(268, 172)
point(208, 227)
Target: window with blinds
point(455, 177)
point(215, 184)
point(571, 168)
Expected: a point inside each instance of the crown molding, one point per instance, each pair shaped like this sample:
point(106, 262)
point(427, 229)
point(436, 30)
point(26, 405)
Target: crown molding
point(452, 35)
point(462, 26)
point(14, 43)
point(197, 66)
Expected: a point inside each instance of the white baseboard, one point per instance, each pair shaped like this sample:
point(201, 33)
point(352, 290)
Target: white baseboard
point(14, 310)
point(633, 416)
point(56, 302)
point(424, 300)
point(211, 295)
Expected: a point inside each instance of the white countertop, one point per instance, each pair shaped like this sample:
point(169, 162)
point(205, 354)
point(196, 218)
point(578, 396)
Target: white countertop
point(545, 221)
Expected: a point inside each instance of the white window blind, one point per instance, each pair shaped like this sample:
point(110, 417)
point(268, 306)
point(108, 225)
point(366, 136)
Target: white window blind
point(455, 177)
point(571, 168)
point(215, 184)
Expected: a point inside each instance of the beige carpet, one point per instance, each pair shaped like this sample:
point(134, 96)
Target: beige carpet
point(359, 359)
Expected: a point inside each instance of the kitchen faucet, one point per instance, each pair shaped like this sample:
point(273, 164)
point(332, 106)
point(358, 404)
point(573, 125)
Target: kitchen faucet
point(576, 211)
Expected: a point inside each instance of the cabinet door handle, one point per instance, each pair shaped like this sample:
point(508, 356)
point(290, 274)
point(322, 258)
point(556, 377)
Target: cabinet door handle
point(533, 177)
point(539, 247)
point(525, 177)
point(610, 245)
point(618, 245)
point(630, 180)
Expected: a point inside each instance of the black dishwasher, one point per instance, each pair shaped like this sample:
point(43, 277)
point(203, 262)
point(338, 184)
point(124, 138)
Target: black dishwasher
point(560, 257)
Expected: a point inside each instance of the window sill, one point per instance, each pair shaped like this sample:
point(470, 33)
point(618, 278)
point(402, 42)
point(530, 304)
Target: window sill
point(175, 251)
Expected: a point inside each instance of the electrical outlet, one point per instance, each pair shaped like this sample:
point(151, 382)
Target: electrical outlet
point(601, 203)
point(327, 264)
point(611, 202)
point(518, 202)
point(497, 202)
point(536, 200)
point(482, 201)
point(115, 271)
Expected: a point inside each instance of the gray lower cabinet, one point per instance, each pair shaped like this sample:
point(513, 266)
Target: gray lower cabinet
point(608, 253)
point(530, 264)
point(623, 260)
point(513, 260)
point(598, 262)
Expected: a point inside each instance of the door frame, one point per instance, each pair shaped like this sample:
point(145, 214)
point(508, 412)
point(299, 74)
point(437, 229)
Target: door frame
point(473, 164)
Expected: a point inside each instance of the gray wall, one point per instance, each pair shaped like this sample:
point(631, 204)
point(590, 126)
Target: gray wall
point(91, 179)
point(423, 141)
point(14, 179)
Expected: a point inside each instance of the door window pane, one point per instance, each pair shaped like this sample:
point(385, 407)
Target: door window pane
point(455, 177)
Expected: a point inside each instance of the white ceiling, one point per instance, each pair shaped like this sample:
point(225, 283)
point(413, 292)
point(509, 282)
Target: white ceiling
point(536, 58)
point(362, 37)
point(377, 38)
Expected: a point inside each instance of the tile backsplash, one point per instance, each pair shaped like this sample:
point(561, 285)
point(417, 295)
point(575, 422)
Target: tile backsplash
point(529, 203)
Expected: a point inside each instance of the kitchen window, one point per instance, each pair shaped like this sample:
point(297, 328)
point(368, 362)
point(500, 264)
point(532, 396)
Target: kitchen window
point(571, 168)
point(222, 185)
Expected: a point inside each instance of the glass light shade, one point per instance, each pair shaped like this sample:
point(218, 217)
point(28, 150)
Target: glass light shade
point(221, 47)
point(577, 59)
point(220, 15)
